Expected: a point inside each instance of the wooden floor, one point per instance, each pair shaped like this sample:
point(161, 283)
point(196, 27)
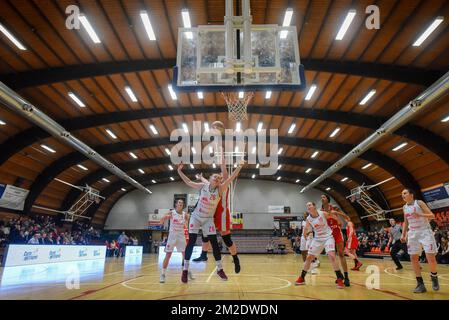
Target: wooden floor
point(267, 277)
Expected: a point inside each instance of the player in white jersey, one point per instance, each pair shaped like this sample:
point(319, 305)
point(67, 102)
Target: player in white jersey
point(203, 216)
point(306, 240)
point(418, 234)
point(176, 237)
point(322, 239)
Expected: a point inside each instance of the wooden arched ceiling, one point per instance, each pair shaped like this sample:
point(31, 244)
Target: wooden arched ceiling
point(59, 60)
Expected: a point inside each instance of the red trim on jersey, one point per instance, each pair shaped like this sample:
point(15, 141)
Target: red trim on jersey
point(219, 212)
point(336, 231)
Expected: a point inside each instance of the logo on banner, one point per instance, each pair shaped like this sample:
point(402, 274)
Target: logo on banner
point(82, 253)
point(97, 253)
point(54, 254)
point(30, 255)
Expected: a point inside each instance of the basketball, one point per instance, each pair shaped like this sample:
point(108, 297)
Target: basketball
point(218, 125)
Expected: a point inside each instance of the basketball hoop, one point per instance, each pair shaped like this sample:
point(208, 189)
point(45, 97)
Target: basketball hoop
point(237, 105)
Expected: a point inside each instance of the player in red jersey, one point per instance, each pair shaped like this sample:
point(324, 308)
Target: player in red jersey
point(334, 223)
point(352, 244)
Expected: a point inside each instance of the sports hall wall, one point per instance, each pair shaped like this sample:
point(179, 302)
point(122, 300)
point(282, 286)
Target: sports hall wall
point(252, 199)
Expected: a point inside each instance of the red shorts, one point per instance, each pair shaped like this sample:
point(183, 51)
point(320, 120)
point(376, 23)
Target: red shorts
point(222, 220)
point(338, 236)
point(354, 244)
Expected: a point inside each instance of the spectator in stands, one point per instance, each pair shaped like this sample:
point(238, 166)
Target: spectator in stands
point(47, 239)
point(443, 255)
point(34, 239)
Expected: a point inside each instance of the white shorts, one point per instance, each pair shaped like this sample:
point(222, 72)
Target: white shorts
point(176, 240)
point(419, 240)
point(318, 244)
point(205, 224)
point(305, 243)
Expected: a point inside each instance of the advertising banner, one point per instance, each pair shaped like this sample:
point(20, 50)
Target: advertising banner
point(12, 197)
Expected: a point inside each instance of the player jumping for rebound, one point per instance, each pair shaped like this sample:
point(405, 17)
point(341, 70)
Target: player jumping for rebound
point(322, 239)
point(176, 235)
point(222, 220)
point(419, 235)
point(334, 224)
point(203, 216)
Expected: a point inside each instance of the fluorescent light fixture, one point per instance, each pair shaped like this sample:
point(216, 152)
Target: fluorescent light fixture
point(238, 127)
point(279, 167)
point(187, 23)
point(76, 99)
point(123, 189)
point(279, 178)
point(113, 136)
point(308, 170)
point(48, 148)
point(167, 151)
point(105, 180)
point(287, 17)
point(241, 94)
point(200, 95)
point(257, 166)
point(170, 167)
point(335, 132)
point(303, 189)
point(141, 171)
point(206, 126)
point(292, 128)
point(311, 92)
point(297, 181)
point(153, 129)
point(148, 191)
point(367, 97)
point(344, 179)
point(13, 39)
point(254, 150)
point(153, 181)
point(236, 149)
point(253, 176)
point(402, 145)
point(211, 150)
point(280, 150)
point(186, 129)
point(171, 178)
point(147, 24)
point(444, 120)
point(428, 31)
point(259, 127)
point(328, 188)
point(172, 92)
point(2, 123)
point(366, 166)
point(132, 154)
point(268, 95)
point(191, 166)
point(82, 167)
point(131, 94)
point(86, 24)
point(315, 154)
point(345, 26)
point(193, 150)
point(213, 165)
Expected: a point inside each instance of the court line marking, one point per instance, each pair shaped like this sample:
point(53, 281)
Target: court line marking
point(407, 278)
point(211, 274)
point(213, 293)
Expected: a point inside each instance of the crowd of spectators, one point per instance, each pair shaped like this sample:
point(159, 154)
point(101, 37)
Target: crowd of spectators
point(377, 241)
point(42, 229)
point(117, 248)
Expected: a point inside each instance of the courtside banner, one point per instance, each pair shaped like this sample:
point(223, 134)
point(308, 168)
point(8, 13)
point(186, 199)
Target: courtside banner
point(133, 251)
point(28, 254)
point(437, 196)
point(12, 197)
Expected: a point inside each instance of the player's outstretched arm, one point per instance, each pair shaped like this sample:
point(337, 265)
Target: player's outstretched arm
point(203, 180)
point(164, 218)
point(186, 179)
point(234, 175)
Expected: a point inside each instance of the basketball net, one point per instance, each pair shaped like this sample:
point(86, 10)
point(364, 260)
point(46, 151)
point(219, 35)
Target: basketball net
point(237, 107)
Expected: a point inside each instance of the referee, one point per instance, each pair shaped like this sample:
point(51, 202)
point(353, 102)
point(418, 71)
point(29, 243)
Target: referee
point(395, 243)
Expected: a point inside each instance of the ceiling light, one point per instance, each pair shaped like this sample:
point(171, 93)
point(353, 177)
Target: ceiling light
point(279, 178)
point(310, 92)
point(257, 166)
point(153, 129)
point(259, 127)
point(241, 95)
point(253, 176)
point(191, 166)
point(48, 148)
point(2, 123)
point(344, 179)
point(170, 167)
point(366, 166)
point(13, 39)
point(123, 189)
point(200, 95)
point(292, 128)
point(167, 151)
point(287, 17)
point(141, 171)
point(154, 181)
point(132, 154)
point(193, 150)
point(445, 119)
point(147, 24)
point(186, 21)
point(105, 180)
point(171, 178)
point(345, 26)
point(86, 24)
point(279, 167)
point(335, 132)
point(308, 170)
point(268, 95)
point(206, 127)
point(280, 150)
point(76, 99)
point(315, 154)
point(82, 167)
point(172, 93)
point(367, 97)
point(131, 94)
point(186, 129)
point(428, 31)
point(111, 134)
point(328, 188)
point(238, 127)
point(254, 150)
point(297, 181)
point(402, 145)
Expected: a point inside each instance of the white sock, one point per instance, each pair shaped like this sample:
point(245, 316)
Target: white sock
point(219, 265)
point(186, 264)
point(163, 271)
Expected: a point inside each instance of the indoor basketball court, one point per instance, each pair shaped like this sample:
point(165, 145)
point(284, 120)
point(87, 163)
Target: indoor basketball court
point(224, 150)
